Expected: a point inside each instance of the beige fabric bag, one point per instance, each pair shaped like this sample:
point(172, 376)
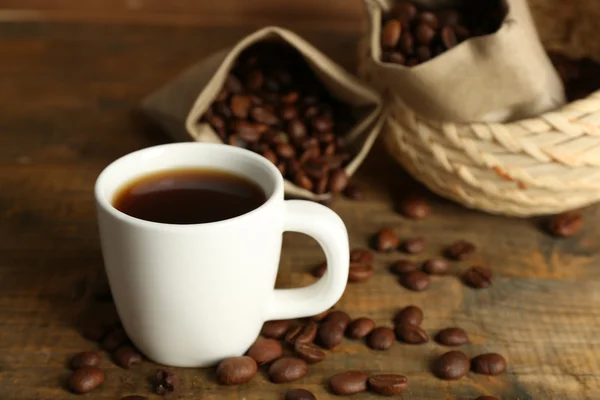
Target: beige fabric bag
point(179, 105)
point(494, 78)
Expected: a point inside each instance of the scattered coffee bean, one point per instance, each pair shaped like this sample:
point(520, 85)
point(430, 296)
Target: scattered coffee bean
point(566, 225)
point(292, 334)
point(415, 208)
point(308, 333)
point(114, 339)
point(452, 337)
point(415, 280)
point(381, 338)
point(134, 398)
point(331, 334)
point(85, 379)
point(436, 266)
point(489, 364)
point(339, 317)
point(85, 359)
point(353, 192)
point(451, 365)
point(362, 256)
point(388, 384)
point(414, 245)
point(236, 370)
point(275, 329)
point(94, 329)
point(411, 334)
point(126, 356)
point(478, 277)
point(319, 270)
point(309, 352)
point(409, 315)
point(360, 272)
point(263, 351)
point(390, 34)
point(386, 241)
point(165, 382)
point(321, 316)
point(287, 369)
point(487, 398)
point(359, 328)
point(347, 383)
point(460, 250)
point(403, 266)
point(299, 394)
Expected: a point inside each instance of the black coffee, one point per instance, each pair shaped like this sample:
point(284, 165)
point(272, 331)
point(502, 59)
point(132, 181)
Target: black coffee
point(188, 196)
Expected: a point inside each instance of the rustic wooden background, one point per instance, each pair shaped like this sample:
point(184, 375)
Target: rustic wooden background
point(71, 76)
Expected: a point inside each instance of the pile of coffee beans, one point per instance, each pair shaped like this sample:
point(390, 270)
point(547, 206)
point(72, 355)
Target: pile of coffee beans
point(411, 35)
point(580, 76)
point(565, 225)
point(360, 270)
point(273, 104)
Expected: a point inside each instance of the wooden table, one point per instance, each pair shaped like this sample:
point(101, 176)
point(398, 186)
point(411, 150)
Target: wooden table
point(67, 96)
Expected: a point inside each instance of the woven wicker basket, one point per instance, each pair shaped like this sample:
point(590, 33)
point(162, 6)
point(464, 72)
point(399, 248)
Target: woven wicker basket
point(536, 166)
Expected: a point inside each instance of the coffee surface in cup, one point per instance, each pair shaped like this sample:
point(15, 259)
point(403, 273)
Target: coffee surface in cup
point(188, 196)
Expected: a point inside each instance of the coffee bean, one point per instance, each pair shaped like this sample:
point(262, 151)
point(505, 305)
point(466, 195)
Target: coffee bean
point(381, 338)
point(390, 34)
point(414, 245)
point(489, 364)
point(415, 280)
point(407, 45)
point(275, 329)
point(360, 328)
point(395, 57)
point(114, 339)
point(448, 37)
point(386, 241)
point(460, 250)
point(478, 277)
point(428, 18)
point(264, 116)
point(299, 394)
point(126, 357)
point(240, 105)
point(452, 337)
point(565, 225)
point(331, 334)
point(436, 266)
point(255, 80)
point(303, 181)
point(338, 181)
point(409, 315)
point(85, 379)
point(290, 98)
point(424, 34)
point(462, 32)
point(363, 256)
point(85, 359)
point(134, 398)
point(285, 150)
point(287, 369)
point(236, 370)
point(388, 384)
point(288, 113)
point(347, 383)
point(360, 272)
point(339, 317)
point(296, 129)
point(403, 266)
point(309, 352)
point(292, 334)
point(487, 398)
point(321, 316)
point(404, 11)
point(451, 365)
point(411, 334)
point(233, 84)
point(308, 333)
point(263, 351)
point(415, 208)
point(248, 131)
point(165, 382)
point(353, 192)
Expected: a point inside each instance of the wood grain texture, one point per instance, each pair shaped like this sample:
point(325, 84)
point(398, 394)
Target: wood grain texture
point(67, 101)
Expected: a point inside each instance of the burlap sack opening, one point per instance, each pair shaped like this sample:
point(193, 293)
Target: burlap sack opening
point(179, 105)
point(498, 77)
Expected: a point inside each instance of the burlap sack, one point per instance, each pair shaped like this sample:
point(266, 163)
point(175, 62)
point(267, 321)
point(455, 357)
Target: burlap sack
point(179, 105)
point(499, 77)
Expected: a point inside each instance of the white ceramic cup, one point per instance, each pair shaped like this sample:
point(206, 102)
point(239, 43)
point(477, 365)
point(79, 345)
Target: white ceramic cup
point(191, 295)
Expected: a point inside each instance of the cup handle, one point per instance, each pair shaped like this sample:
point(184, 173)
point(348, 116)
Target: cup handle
point(328, 229)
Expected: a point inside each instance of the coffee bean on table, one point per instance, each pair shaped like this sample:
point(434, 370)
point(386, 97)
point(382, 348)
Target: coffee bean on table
point(321, 316)
point(275, 329)
point(414, 245)
point(85, 359)
point(415, 280)
point(363, 256)
point(390, 34)
point(263, 351)
point(114, 339)
point(452, 337)
point(165, 382)
point(409, 315)
point(478, 277)
point(489, 364)
point(566, 225)
point(287, 369)
point(460, 250)
point(331, 334)
point(388, 384)
point(411, 334)
point(386, 241)
point(292, 334)
point(381, 338)
point(452, 365)
point(436, 266)
point(360, 272)
point(85, 379)
point(347, 383)
point(308, 333)
point(299, 394)
point(319, 270)
point(309, 352)
point(403, 266)
point(126, 356)
point(415, 208)
point(339, 317)
point(359, 328)
point(236, 370)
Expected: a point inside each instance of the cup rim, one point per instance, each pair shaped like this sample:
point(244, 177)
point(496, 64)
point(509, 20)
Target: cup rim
point(105, 203)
